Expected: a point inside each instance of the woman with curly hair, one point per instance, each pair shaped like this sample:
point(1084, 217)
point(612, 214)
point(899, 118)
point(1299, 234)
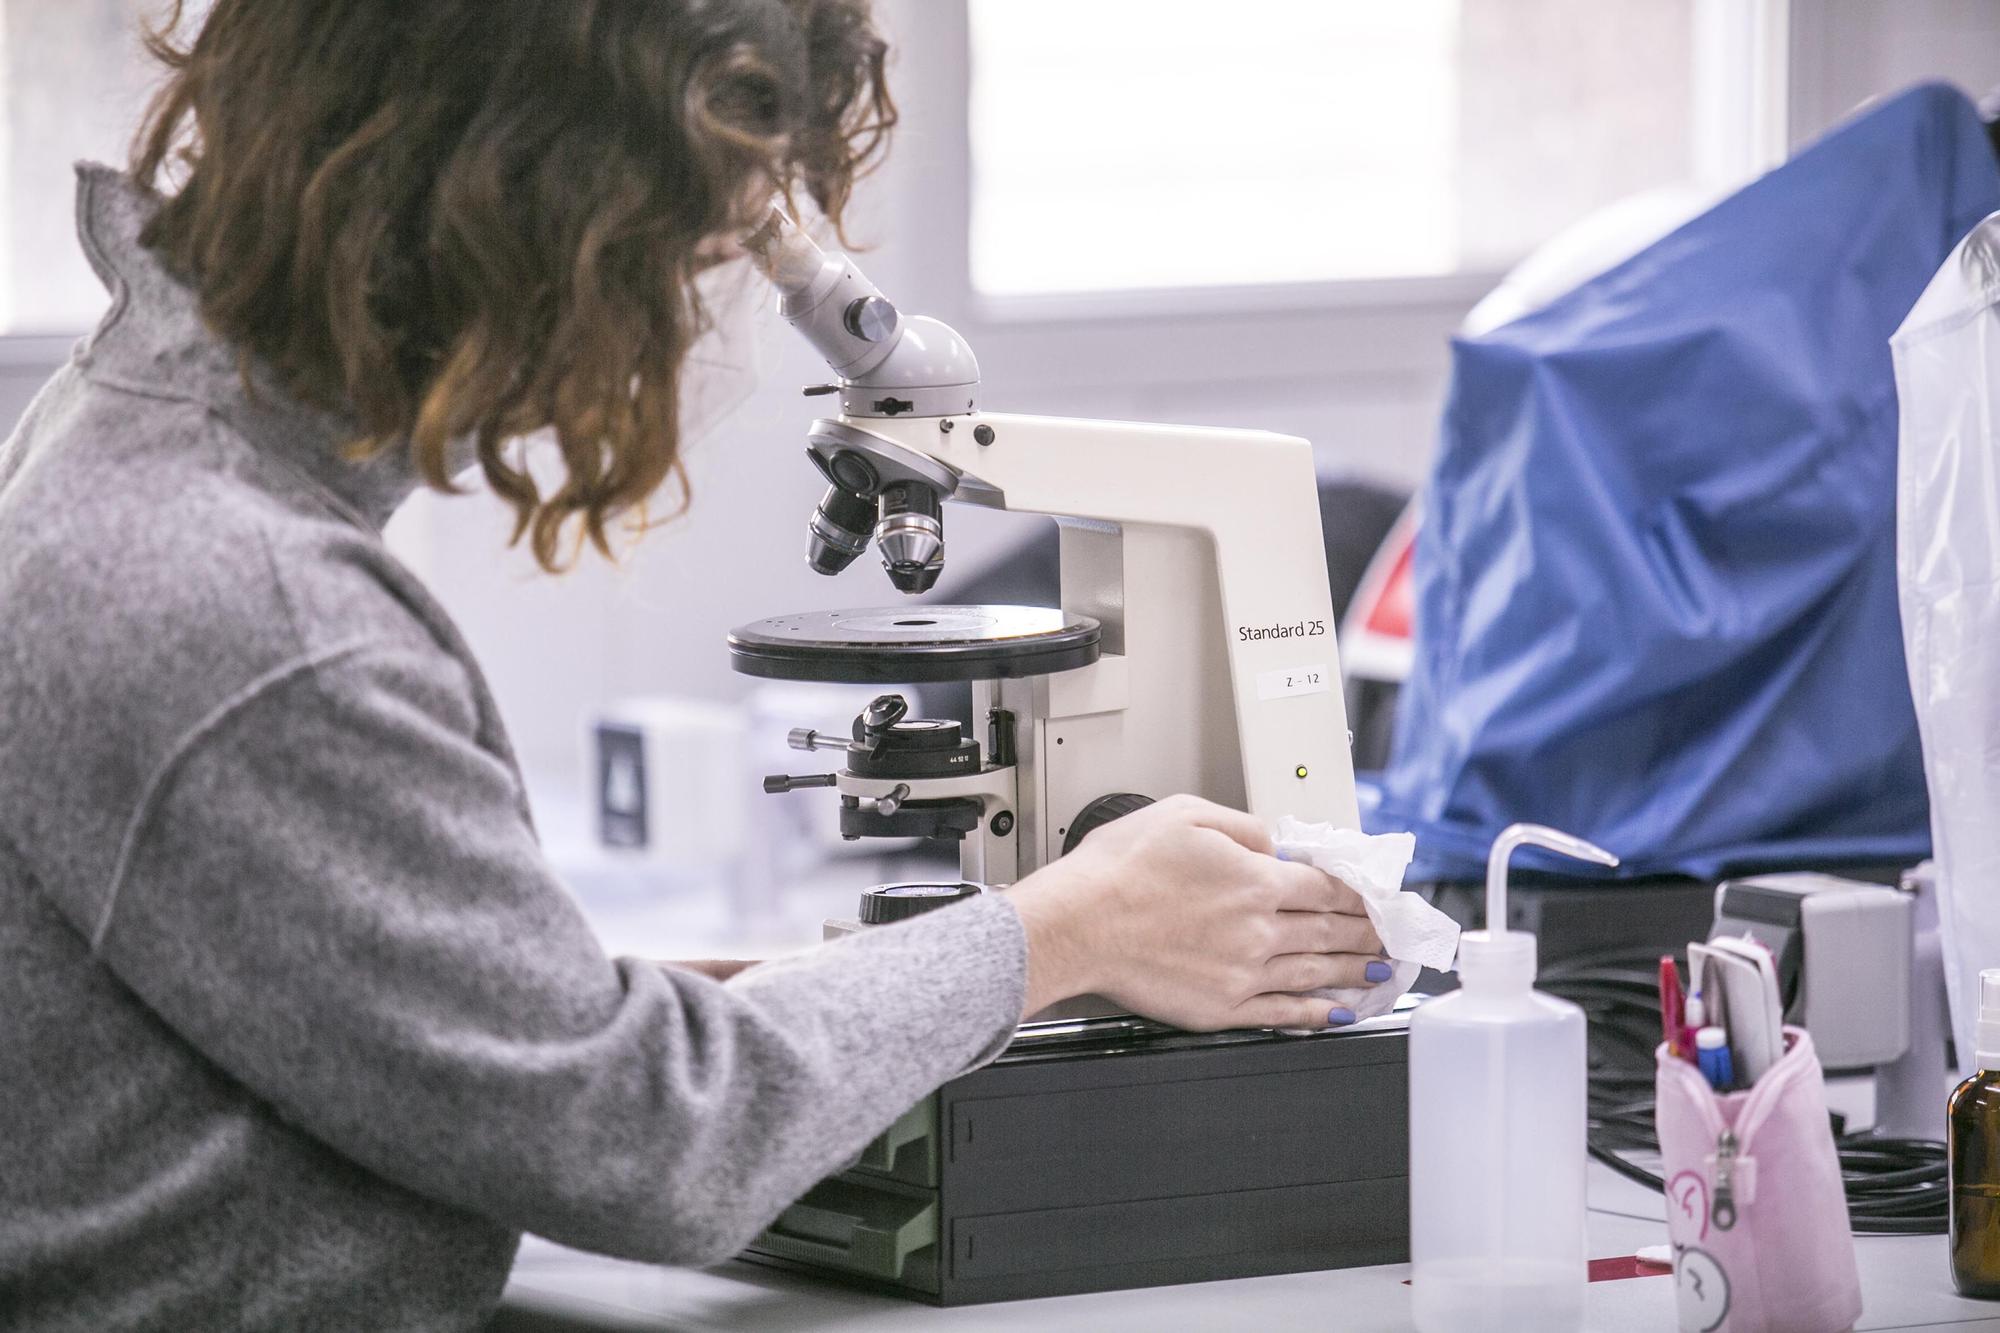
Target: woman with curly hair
point(300, 1030)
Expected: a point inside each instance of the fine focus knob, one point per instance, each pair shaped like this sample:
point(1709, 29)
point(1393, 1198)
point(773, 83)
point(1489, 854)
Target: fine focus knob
point(899, 902)
point(1101, 812)
point(871, 318)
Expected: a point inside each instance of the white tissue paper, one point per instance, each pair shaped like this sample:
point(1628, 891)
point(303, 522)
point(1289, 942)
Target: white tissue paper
point(1414, 934)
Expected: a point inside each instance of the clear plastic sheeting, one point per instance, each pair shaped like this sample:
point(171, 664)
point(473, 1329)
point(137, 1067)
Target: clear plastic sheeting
point(1656, 580)
point(1947, 357)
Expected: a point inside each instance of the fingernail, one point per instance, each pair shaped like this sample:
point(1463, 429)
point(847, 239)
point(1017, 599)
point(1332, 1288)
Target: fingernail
point(1281, 856)
point(1378, 971)
point(1339, 1017)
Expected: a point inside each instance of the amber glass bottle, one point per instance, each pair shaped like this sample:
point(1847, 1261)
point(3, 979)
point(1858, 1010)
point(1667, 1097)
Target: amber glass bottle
point(1973, 1138)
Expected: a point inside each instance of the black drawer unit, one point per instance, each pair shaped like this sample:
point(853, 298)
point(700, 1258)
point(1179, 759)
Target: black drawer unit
point(1134, 1159)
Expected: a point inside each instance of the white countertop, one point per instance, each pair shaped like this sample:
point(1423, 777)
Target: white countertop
point(1904, 1281)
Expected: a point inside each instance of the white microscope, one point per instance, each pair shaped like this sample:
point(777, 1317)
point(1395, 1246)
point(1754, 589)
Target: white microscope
point(1193, 652)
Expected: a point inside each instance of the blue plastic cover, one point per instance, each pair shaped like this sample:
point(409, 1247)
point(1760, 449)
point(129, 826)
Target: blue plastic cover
point(1656, 578)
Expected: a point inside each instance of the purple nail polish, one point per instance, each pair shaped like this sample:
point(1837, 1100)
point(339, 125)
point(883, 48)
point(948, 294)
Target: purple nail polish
point(1378, 971)
point(1281, 856)
point(1339, 1017)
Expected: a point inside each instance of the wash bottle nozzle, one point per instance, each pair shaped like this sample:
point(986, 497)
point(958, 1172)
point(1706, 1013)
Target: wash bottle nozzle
point(1497, 952)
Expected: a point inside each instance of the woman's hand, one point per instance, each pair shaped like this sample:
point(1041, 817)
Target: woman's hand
point(1180, 913)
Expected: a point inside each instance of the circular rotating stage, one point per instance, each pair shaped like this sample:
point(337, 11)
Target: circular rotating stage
point(915, 645)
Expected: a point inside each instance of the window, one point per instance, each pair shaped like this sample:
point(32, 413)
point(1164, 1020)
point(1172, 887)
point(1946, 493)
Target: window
point(1131, 144)
point(73, 83)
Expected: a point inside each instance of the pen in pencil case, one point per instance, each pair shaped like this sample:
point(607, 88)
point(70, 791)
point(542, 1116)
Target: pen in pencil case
point(1711, 1054)
point(1672, 1020)
point(1694, 1016)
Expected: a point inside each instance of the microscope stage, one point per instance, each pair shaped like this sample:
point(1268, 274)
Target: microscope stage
point(915, 645)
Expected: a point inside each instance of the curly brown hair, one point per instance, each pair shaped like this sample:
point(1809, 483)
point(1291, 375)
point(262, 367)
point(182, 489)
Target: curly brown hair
point(484, 218)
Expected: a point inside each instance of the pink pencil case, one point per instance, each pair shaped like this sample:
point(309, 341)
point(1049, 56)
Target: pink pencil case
point(1755, 1206)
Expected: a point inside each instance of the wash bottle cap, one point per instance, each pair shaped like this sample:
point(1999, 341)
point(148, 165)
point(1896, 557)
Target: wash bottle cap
point(1986, 1037)
point(1497, 956)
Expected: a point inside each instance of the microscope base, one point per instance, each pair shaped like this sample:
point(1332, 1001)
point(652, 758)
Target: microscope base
point(1128, 1161)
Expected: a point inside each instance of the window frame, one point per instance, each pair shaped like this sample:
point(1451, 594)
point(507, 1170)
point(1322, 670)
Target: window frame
point(1381, 325)
point(1370, 326)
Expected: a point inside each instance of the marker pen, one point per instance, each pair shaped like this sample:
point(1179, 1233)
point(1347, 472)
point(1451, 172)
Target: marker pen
point(1711, 1054)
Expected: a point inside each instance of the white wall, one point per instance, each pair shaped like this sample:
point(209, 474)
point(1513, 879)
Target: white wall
point(1847, 51)
point(73, 83)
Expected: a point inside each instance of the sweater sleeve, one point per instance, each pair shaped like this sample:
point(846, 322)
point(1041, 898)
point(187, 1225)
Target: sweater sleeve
point(335, 896)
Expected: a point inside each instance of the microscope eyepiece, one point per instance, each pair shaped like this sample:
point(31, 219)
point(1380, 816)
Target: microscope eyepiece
point(910, 534)
point(839, 530)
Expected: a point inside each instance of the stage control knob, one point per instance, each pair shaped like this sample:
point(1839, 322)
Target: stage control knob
point(1101, 812)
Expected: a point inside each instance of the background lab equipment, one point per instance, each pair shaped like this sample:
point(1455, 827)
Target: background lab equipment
point(673, 801)
point(655, 761)
point(1193, 651)
point(1707, 429)
point(1844, 951)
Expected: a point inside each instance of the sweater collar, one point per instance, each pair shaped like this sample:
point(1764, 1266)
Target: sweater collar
point(154, 341)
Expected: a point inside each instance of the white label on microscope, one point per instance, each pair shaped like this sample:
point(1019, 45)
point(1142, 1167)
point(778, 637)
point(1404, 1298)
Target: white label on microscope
point(1314, 679)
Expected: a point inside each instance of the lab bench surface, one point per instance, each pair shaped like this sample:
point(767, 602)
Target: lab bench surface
point(1904, 1281)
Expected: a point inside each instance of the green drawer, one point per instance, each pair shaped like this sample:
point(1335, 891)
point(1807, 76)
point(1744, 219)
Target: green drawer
point(855, 1227)
point(907, 1150)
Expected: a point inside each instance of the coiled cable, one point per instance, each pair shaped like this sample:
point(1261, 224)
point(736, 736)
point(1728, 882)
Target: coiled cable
point(1894, 1186)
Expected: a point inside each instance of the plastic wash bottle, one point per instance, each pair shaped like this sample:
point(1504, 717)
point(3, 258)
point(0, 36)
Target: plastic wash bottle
point(1497, 1110)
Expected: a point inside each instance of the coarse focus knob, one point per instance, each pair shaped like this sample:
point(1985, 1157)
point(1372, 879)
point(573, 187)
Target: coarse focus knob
point(1101, 812)
point(871, 318)
point(899, 902)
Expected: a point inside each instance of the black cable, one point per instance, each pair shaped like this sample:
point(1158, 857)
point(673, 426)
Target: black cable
point(1894, 1186)
point(1630, 1170)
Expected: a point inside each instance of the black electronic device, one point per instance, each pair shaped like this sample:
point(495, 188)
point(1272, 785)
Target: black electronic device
point(1101, 1156)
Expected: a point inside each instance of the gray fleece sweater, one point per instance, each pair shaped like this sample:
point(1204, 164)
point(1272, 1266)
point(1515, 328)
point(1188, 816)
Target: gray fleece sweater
point(297, 1030)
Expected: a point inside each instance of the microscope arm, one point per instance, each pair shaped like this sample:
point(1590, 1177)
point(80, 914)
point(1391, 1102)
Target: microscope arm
point(1151, 515)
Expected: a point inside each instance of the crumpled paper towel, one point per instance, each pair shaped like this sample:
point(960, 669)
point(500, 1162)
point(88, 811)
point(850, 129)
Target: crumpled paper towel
point(1414, 934)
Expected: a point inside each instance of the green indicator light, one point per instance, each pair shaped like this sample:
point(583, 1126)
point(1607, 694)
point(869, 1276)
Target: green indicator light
point(1300, 770)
